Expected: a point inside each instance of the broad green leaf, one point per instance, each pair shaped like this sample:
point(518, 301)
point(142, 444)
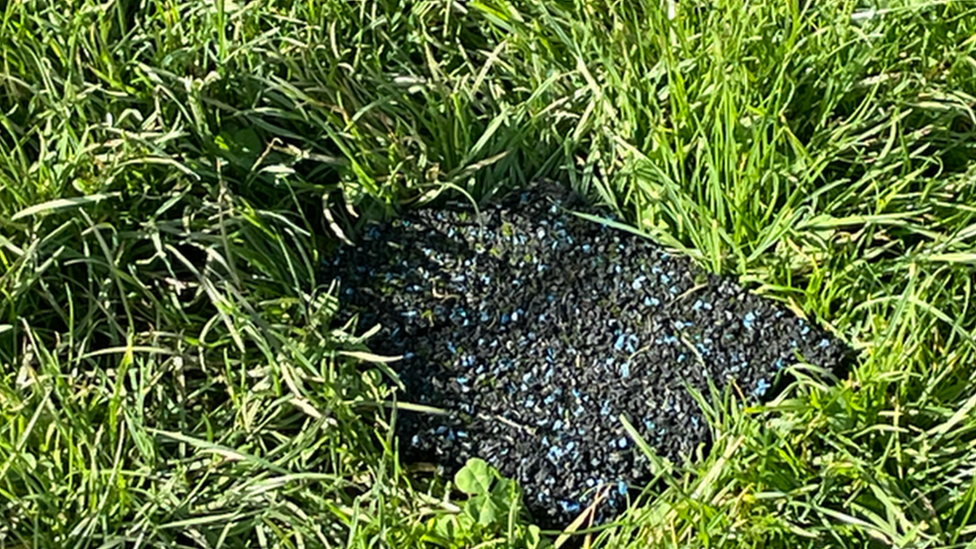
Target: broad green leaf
point(475, 477)
point(485, 510)
point(502, 491)
point(445, 527)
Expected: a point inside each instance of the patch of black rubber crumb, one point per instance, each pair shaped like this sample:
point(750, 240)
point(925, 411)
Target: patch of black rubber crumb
point(536, 329)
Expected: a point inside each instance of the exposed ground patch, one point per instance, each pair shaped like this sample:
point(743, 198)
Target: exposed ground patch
point(535, 330)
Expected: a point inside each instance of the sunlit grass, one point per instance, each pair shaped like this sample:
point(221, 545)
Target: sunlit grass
point(172, 173)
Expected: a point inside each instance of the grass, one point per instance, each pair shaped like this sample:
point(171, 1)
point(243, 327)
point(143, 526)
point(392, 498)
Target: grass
point(172, 173)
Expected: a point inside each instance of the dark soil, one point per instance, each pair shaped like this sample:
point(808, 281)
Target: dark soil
point(536, 330)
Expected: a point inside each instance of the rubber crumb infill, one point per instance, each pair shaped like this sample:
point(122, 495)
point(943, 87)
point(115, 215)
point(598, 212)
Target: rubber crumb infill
point(536, 330)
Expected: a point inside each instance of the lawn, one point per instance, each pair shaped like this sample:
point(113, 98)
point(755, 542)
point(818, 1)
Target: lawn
point(174, 173)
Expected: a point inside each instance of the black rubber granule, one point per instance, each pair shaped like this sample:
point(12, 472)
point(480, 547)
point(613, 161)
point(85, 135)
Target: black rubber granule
point(536, 329)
